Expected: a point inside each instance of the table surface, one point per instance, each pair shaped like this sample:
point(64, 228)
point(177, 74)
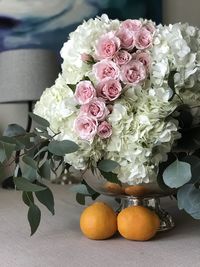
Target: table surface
point(59, 242)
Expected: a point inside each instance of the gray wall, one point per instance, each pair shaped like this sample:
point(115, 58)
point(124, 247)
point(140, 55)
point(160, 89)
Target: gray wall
point(181, 11)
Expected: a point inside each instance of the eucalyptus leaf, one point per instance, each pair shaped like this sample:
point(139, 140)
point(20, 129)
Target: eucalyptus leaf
point(24, 185)
point(60, 148)
point(72, 87)
point(45, 170)
point(80, 188)
point(46, 198)
point(30, 162)
point(8, 140)
point(2, 153)
point(80, 198)
point(107, 165)
point(27, 198)
point(29, 173)
point(14, 130)
point(177, 174)
point(171, 82)
point(43, 149)
point(34, 217)
point(39, 120)
point(9, 149)
point(89, 188)
point(185, 117)
point(2, 172)
point(189, 199)
point(195, 167)
point(111, 177)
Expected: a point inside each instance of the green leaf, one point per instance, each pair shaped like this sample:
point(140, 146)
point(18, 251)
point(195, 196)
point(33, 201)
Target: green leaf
point(14, 130)
point(81, 189)
point(9, 149)
point(60, 148)
point(107, 165)
point(42, 150)
point(195, 167)
point(27, 198)
point(2, 171)
point(80, 198)
point(30, 162)
point(45, 170)
point(72, 87)
point(24, 185)
point(39, 120)
point(89, 189)
point(177, 174)
point(171, 79)
point(34, 216)
point(8, 140)
point(189, 199)
point(47, 199)
point(189, 140)
point(185, 117)
point(111, 177)
point(2, 153)
point(29, 173)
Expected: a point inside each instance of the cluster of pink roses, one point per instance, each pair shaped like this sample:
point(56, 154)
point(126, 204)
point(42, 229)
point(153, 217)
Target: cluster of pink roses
point(93, 112)
point(121, 58)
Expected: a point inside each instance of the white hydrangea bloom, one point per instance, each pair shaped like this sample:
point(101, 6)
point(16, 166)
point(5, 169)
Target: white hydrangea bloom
point(81, 41)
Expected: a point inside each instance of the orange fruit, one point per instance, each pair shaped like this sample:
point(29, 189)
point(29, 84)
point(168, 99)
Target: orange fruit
point(113, 188)
point(98, 221)
point(136, 190)
point(137, 223)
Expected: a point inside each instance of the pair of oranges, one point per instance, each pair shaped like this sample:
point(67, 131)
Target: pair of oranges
point(99, 221)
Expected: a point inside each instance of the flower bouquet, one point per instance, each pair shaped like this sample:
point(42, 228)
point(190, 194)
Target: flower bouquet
point(125, 108)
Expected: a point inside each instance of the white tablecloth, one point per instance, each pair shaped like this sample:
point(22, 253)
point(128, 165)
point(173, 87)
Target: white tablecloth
point(59, 242)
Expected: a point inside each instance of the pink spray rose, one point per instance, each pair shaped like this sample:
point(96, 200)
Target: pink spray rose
point(132, 25)
point(84, 92)
point(122, 57)
point(95, 109)
point(144, 58)
point(104, 130)
point(133, 73)
point(150, 27)
point(85, 127)
point(127, 38)
point(87, 58)
point(109, 89)
point(144, 39)
point(107, 46)
point(106, 68)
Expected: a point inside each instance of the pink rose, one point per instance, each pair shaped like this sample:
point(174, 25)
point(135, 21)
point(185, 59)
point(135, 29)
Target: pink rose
point(109, 89)
point(104, 130)
point(84, 92)
point(105, 68)
point(132, 24)
point(122, 57)
point(144, 58)
point(150, 27)
point(95, 109)
point(133, 73)
point(144, 39)
point(85, 127)
point(127, 38)
point(107, 46)
point(87, 58)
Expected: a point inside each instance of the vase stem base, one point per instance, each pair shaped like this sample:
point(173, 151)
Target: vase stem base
point(153, 203)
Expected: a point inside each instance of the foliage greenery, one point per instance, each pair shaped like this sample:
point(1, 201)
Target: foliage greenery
point(35, 155)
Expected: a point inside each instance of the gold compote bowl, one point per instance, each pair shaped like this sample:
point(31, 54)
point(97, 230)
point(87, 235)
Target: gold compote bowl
point(147, 195)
